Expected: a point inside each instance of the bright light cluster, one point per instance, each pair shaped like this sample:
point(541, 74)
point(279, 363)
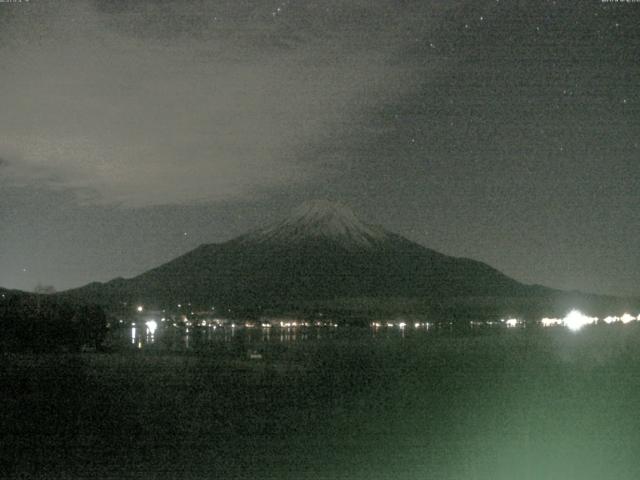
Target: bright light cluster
point(551, 322)
point(152, 325)
point(626, 318)
point(401, 325)
point(512, 322)
point(575, 320)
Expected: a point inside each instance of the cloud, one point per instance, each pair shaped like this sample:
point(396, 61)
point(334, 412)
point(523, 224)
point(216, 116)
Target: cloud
point(138, 117)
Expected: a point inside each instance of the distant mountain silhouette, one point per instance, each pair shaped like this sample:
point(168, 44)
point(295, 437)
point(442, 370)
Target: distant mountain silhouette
point(322, 254)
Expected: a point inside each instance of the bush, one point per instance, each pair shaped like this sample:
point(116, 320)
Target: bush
point(42, 324)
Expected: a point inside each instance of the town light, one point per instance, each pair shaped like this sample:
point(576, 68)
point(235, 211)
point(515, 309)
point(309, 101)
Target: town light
point(550, 322)
point(575, 320)
point(512, 322)
point(152, 325)
point(626, 318)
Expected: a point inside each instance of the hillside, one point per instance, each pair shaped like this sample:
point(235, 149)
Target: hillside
point(319, 256)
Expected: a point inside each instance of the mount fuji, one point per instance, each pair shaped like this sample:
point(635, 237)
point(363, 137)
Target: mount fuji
point(333, 222)
point(320, 257)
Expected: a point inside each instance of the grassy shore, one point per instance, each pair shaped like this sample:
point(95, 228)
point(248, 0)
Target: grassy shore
point(526, 405)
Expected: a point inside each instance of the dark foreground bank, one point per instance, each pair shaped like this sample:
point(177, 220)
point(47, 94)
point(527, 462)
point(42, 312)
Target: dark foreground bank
point(548, 404)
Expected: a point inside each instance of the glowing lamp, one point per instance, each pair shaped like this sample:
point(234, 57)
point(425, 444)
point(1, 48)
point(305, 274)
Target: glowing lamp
point(152, 325)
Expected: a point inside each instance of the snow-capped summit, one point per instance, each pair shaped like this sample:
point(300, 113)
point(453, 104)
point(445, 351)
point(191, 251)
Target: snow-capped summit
point(321, 219)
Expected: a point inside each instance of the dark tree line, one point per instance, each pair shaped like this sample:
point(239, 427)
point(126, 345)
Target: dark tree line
point(40, 323)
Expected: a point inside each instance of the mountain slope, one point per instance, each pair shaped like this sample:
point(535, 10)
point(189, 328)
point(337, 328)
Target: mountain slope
point(322, 252)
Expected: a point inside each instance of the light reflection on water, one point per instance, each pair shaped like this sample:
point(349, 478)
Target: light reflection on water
point(201, 337)
point(191, 337)
point(178, 338)
point(186, 336)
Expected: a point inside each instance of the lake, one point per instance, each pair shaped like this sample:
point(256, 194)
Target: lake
point(266, 337)
point(330, 403)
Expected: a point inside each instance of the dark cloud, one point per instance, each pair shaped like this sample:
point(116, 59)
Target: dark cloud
point(162, 105)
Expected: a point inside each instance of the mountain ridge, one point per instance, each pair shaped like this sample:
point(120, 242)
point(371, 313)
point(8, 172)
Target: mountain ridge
point(322, 251)
point(321, 256)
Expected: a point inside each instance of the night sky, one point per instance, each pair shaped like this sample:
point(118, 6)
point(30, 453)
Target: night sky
point(505, 131)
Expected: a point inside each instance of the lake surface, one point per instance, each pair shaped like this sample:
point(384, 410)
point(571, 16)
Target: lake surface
point(203, 338)
point(330, 404)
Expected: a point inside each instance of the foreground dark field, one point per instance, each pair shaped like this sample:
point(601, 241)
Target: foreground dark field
point(508, 405)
